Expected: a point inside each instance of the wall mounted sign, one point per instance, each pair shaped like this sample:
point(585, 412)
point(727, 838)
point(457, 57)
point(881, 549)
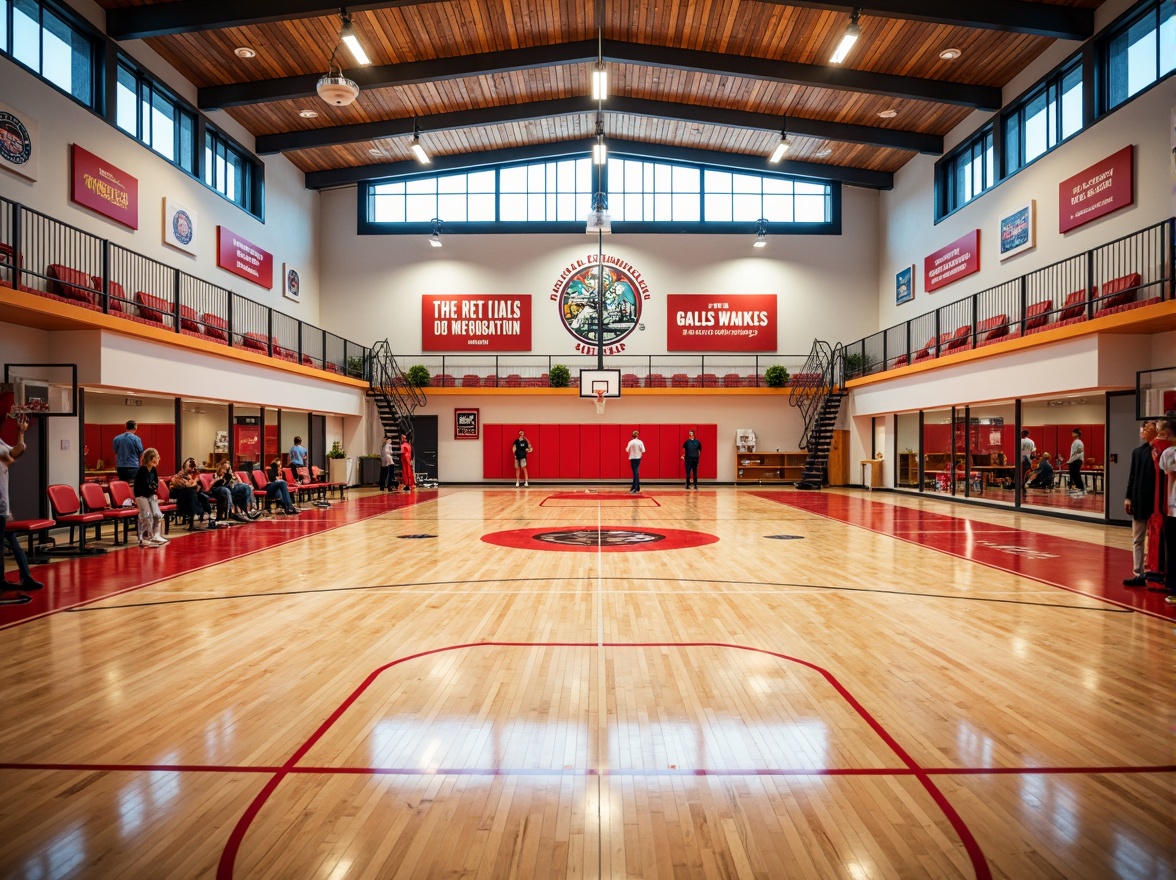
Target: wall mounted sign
point(179, 226)
point(1018, 230)
point(624, 293)
point(958, 260)
point(104, 188)
point(18, 142)
point(722, 322)
point(291, 283)
point(904, 286)
point(476, 322)
point(241, 257)
point(466, 424)
point(1104, 187)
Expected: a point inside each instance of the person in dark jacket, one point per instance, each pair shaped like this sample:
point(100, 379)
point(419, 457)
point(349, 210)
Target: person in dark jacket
point(1141, 500)
point(691, 453)
point(1044, 478)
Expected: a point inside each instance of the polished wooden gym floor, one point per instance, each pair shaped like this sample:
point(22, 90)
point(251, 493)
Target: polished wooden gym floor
point(558, 683)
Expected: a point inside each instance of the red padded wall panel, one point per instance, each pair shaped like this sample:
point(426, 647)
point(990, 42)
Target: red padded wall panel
point(492, 446)
point(651, 462)
point(535, 457)
point(547, 468)
point(708, 465)
point(165, 442)
point(590, 452)
point(669, 452)
point(92, 444)
point(613, 463)
point(569, 452)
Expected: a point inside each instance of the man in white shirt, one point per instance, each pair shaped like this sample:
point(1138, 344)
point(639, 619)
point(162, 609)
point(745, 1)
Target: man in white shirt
point(1074, 464)
point(1028, 450)
point(635, 450)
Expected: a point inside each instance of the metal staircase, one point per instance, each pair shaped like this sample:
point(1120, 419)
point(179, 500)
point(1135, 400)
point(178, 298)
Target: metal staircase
point(817, 391)
point(394, 398)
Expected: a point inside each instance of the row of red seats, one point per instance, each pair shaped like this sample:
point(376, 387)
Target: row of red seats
point(628, 380)
point(1118, 295)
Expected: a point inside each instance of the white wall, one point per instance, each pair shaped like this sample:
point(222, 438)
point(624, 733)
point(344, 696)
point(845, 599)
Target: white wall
point(825, 284)
point(776, 424)
point(908, 232)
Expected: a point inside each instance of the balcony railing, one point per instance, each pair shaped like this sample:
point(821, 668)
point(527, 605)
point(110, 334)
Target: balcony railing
point(1127, 273)
point(42, 255)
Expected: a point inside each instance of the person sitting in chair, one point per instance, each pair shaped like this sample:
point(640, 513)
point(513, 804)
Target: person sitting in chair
point(1044, 478)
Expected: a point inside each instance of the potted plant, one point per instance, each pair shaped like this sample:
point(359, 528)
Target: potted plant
point(418, 376)
point(355, 367)
point(858, 364)
point(369, 469)
point(560, 376)
point(337, 464)
point(775, 376)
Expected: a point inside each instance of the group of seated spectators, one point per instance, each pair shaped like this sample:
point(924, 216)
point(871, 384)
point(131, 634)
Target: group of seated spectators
point(228, 498)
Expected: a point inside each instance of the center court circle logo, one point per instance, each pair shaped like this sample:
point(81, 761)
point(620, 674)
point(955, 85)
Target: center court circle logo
point(592, 537)
point(577, 293)
point(598, 539)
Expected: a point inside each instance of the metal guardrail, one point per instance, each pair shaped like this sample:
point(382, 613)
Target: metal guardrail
point(1033, 302)
point(45, 256)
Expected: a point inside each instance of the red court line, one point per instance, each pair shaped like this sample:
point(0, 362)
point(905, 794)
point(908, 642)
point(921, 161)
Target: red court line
point(84, 580)
point(1075, 566)
point(971, 846)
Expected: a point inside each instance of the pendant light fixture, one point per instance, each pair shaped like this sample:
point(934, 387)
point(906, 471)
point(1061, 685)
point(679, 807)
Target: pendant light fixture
point(333, 87)
point(851, 36)
point(782, 146)
point(417, 149)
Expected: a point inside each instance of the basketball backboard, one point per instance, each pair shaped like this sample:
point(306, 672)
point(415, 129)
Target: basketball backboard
point(42, 389)
point(592, 381)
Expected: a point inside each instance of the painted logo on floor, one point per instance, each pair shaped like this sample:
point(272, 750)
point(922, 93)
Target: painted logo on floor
point(590, 539)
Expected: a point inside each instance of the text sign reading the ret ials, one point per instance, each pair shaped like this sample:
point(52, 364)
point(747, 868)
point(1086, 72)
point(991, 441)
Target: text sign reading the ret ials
point(958, 260)
point(476, 322)
point(1104, 187)
point(721, 322)
point(242, 257)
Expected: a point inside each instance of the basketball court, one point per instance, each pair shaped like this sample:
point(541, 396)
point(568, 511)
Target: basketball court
point(555, 682)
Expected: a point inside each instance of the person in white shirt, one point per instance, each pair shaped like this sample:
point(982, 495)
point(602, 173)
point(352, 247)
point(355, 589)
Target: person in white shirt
point(635, 450)
point(387, 465)
point(1028, 450)
point(1074, 464)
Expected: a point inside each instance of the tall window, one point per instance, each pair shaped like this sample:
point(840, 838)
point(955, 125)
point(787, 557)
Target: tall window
point(455, 198)
point(1043, 118)
point(545, 191)
point(231, 171)
point(148, 113)
point(745, 198)
point(1138, 52)
point(654, 191)
point(965, 172)
point(49, 45)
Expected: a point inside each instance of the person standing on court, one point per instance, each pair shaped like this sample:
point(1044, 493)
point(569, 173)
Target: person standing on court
point(1074, 464)
point(1141, 501)
point(1028, 448)
point(691, 453)
point(128, 450)
point(1166, 473)
point(521, 447)
point(298, 455)
point(635, 449)
point(406, 476)
point(8, 455)
point(387, 465)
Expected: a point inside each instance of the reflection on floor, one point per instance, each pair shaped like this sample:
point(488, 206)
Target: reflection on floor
point(1091, 503)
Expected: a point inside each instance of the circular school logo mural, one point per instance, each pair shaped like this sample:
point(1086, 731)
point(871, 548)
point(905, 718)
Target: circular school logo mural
point(182, 227)
point(590, 539)
point(577, 293)
point(16, 147)
point(292, 282)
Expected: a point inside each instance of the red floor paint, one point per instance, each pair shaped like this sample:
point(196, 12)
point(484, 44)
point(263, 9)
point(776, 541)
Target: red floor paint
point(1089, 569)
point(85, 579)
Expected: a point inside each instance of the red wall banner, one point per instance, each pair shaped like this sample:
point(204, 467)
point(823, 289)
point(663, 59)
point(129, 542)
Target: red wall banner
point(1104, 187)
point(476, 322)
point(958, 260)
point(241, 257)
point(721, 322)
point(104, 188)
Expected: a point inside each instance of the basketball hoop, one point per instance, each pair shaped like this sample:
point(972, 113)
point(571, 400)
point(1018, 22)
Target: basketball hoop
point(600, 402)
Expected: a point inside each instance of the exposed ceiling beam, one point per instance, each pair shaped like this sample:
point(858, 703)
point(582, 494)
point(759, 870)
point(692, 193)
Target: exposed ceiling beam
point(583, 146)
point(1014, 16)
point(815, 128)
point(715, 63)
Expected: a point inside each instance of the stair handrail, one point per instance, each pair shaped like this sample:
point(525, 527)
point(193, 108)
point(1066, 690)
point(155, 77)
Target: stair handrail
point(823, 372)
point(389, 382)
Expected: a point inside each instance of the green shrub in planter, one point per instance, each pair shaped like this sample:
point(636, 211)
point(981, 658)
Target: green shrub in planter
point(418, 375)
point(775, 376)
point(858, 364)
point(336, 450)
point(560, 376)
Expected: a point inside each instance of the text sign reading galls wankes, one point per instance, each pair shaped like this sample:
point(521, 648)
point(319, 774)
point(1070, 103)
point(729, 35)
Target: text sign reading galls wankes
point(1104, 187)
point(476, 322)
point(242, 257)
point(721, 322)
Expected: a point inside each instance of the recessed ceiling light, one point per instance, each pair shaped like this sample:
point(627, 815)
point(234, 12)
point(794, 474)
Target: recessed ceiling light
point(308, 114)
point(375, 152)
point(888, 114)
point(823, 152)
point(245, 52)
point(950, 54)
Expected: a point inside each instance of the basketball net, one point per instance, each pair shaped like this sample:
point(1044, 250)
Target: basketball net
point(600, 403)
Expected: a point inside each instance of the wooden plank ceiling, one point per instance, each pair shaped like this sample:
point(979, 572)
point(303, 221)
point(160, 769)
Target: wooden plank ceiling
point(672, 97)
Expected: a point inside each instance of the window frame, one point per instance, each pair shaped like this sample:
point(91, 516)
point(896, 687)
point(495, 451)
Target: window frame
point(947, 200)
point(1052, 84)
point(147, 89)
point(1102, 44)
point(77, 25)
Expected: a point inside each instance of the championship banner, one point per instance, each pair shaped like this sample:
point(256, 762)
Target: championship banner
point(104, 188)
point(1104, 187)
point(721, 322)
point(19, 149)
point(476, 322)
point(241, 257)
point(958, 260)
